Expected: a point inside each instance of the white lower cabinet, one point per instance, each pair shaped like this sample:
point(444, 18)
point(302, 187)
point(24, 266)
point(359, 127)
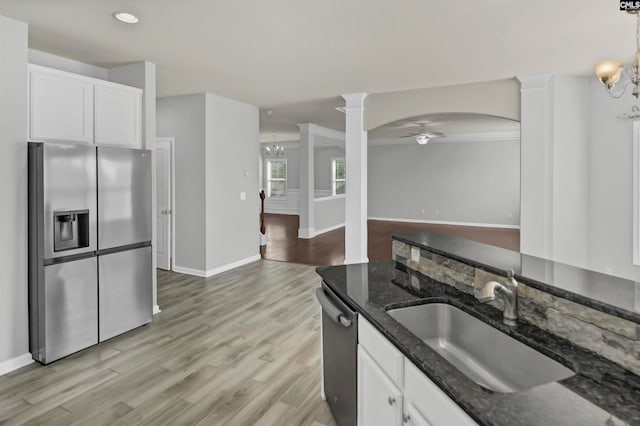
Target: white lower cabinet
point(428, 404)
point(384, 399)
point(412, 416)
point(379, 399)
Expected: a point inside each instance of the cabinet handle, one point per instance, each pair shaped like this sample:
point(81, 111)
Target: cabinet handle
point(391, 400)
point(406, 418)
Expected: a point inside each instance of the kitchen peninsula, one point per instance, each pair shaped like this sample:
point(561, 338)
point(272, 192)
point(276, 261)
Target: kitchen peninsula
point(587, 321)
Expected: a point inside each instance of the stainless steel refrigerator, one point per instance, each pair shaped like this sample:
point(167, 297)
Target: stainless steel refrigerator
point(89, 246)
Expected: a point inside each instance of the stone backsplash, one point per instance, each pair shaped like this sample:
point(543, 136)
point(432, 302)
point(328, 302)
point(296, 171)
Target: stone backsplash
point(609, 336)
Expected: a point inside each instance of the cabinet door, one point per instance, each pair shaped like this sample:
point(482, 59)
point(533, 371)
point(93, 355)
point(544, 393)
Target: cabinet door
point(118, 116)
point(60, 107)
point(412, 416)
point(379, 400)
point(432, 403)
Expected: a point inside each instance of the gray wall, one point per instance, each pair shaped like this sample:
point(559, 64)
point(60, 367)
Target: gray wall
point(14, 332)
point(232, 141)
point(472, 182)
point(183, 117)
point(323, 156)
point(610, 153)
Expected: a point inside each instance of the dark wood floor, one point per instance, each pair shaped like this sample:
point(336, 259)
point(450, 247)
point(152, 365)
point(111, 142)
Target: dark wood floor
point(284, 245)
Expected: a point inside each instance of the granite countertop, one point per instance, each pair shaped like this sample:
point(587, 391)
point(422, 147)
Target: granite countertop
point(601, 393)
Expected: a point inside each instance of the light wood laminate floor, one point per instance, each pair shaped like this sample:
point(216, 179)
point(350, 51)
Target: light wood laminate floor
point(241, 348)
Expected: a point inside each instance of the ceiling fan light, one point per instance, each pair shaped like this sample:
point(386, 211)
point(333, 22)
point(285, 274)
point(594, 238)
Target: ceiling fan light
point(422, 139)
point(608, 72)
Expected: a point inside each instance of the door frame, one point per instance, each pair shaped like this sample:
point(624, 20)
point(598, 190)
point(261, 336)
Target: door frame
point(172, 195)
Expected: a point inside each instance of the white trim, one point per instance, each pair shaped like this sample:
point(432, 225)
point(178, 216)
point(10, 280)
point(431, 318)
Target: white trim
point(329, 229)
point(172, 182)
point(15, 363)
point(446, 222)
point(329, 198)
point(189, 271)
point(534, 81)
point(156, 309)
point(636, 194)
point(276, 210)
point(306, 233)
point(232, 265)
point(218, 270)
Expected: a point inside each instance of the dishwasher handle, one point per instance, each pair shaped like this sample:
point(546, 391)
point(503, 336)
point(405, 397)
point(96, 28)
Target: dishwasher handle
point(330, 309)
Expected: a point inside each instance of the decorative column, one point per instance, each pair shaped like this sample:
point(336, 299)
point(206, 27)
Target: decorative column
point(355, 250)
point(307, 184)
point(536, 165)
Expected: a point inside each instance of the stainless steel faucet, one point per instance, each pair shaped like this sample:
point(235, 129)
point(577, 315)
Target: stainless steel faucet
point(509, 294)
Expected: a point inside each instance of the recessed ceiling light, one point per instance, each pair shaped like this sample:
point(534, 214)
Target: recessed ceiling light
point(126, 17)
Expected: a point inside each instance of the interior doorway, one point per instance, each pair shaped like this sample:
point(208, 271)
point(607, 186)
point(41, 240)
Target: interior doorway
point(165, 202)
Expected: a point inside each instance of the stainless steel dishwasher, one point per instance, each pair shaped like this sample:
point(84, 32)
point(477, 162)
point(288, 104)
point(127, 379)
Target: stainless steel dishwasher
point(339, 353)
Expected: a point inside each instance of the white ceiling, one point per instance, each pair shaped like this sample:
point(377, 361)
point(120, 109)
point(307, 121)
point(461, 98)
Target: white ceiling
point(297, 56)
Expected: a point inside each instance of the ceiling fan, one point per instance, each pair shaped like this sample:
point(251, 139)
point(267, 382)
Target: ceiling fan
point(424, 135)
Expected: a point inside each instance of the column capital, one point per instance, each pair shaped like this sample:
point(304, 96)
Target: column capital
point(534, 81)
point(354, 100)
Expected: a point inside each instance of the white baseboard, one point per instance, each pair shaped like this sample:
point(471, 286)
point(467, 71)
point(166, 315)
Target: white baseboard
point(156, 309)
point(331, 228)
point(445, 222)
point(294, 212)
point(15, 363)
point(306, 233)
point(218, 270)
point(232, 265)
point(189, 271)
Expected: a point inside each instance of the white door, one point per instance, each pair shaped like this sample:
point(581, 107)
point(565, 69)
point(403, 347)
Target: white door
point(164, 197)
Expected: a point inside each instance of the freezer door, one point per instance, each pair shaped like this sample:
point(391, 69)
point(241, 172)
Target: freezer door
point(69, 185)
point(70, 308)
point(124, 197)
point(125, 291)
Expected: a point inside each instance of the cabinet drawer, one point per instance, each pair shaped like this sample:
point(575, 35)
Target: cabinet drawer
point(386, 355)
point(430, 401)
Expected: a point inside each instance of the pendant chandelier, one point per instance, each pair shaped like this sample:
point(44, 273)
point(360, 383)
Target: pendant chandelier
point(274, 150)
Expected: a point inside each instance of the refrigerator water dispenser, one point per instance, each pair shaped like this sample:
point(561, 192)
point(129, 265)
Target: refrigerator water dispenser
point(70, 230)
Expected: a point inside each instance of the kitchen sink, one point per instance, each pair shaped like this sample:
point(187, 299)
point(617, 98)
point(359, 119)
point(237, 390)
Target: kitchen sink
point(487, 356)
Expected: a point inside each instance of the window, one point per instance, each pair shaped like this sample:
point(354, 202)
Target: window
point(339, 176)
point(277, 178)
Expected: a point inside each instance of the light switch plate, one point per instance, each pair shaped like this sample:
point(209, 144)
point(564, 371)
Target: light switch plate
point(243, 195)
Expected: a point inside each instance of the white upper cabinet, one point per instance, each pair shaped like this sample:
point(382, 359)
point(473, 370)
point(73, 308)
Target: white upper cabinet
point(66, 107)
point(60, 107)
point(117, 115)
